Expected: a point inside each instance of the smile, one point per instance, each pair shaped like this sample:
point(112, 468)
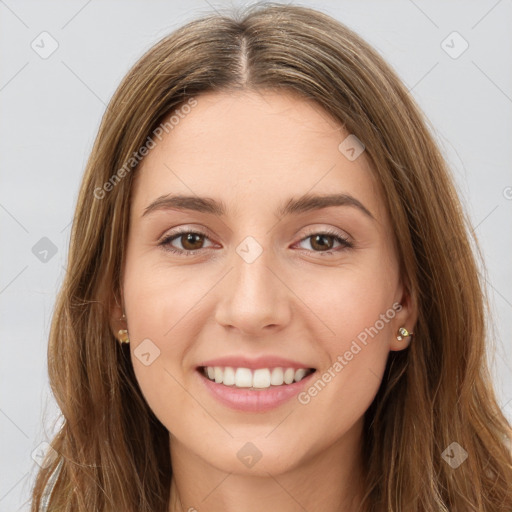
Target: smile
point(254, 390)
point(260, 378)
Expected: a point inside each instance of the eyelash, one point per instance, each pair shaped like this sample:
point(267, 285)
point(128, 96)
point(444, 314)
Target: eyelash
point(166, 242)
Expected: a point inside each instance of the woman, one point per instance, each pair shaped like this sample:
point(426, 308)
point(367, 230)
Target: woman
point(268, 229)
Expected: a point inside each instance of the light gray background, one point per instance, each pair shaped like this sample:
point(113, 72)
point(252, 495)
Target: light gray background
point(51, 109)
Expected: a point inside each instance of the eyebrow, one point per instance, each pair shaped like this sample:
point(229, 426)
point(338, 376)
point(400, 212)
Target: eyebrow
point(293, 206)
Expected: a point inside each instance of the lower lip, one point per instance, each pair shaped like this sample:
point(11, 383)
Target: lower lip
point(248, 400)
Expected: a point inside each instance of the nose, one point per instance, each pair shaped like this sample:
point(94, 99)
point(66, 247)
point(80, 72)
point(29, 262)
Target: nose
point(255, 297)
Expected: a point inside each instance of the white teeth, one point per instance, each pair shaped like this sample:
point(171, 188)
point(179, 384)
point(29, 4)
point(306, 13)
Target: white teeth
point(300, 374)
point(261, 378)
point(243, 377)
point(218, 374)
point(277, 379)
point(229, 376)
point(289, 375)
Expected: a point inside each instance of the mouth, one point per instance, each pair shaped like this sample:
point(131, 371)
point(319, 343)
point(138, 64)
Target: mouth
point(255, 385)
point(254, 379)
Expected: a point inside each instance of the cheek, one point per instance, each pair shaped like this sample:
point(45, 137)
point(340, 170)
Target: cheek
point(162, 320)
point(352, 303)
point(160, 300)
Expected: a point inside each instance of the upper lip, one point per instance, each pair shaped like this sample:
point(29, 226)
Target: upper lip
point(266, 361)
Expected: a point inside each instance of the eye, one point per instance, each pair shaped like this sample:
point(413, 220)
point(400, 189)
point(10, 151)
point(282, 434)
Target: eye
point(190, 241)
point(324, 241)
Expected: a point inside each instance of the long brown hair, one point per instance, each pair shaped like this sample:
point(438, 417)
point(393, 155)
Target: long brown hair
point(112, 452)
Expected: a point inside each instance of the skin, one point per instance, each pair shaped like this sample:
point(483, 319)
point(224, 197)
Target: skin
point(254, 151)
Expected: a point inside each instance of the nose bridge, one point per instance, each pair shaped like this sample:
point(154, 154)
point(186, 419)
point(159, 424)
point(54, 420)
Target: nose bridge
point(252, 270)
point(253, 296)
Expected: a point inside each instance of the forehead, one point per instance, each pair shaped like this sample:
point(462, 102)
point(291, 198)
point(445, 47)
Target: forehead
point(252, 149)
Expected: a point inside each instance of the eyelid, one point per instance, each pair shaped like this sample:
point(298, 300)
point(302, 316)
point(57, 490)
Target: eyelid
point(184, 228)
point(327, 231)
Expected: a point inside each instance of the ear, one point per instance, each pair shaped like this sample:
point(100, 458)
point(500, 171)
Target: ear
point(406, 316)
point(117, 320)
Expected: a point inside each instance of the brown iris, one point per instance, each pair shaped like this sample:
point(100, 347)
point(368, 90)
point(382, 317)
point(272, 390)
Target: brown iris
point(188, 241)
point(321, 246)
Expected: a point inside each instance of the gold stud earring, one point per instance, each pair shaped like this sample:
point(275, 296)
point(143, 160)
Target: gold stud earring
point(403, 333)
point(122, 336)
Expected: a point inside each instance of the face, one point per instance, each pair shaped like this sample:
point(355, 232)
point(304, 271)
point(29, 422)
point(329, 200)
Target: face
point(260, 283)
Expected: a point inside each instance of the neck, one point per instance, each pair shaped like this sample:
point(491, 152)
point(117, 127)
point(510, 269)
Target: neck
point(329, 481)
